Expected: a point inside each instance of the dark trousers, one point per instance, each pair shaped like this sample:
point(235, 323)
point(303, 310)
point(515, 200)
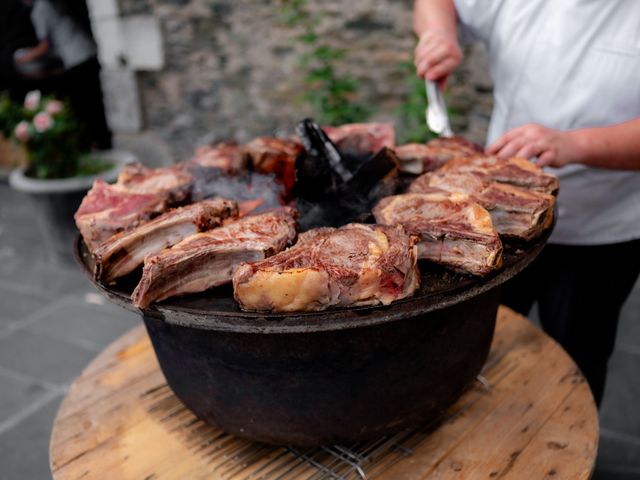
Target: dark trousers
point(83, 89)
point(580, 291)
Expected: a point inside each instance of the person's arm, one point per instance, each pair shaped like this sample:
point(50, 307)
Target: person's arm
point(34, 53)
point(438, 52)
point(616, 147)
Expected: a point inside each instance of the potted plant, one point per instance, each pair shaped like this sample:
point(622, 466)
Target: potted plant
point(10, 115)
point(59, 169)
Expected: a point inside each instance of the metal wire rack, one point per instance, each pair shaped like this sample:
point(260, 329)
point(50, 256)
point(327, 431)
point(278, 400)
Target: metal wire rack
point(236, 459)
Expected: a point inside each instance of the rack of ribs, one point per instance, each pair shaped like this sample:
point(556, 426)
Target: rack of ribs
point(208, 259)
point(359, 138)
point(417, 158)
point(126, 251)
point(174, 181)
point(276, 156)
point(516, 212)
point(227, 157)
point(454, 231)
point(110, 209)
point(514, 171)
point(354, 265)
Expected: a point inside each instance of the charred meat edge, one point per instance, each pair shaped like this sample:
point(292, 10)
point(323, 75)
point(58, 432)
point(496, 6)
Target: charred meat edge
point(467, 248)
point(126, 251)
point(206, 260)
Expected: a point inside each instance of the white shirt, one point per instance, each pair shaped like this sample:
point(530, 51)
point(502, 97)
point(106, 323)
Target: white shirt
point(568, 64)
point(69, 41)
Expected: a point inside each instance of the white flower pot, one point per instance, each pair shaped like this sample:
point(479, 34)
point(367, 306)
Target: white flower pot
point(57, 200)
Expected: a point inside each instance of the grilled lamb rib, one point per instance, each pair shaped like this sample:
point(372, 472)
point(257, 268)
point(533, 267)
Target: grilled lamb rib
point(274, 155)
point(353, 265)
point(417, 158)
point(227, 157)
point(109, 209)
point(454, 230)
point(174, 181)
point(208, 259)
point(358, 138)
point(513, 171)
point(126, 251)
point(516, 212)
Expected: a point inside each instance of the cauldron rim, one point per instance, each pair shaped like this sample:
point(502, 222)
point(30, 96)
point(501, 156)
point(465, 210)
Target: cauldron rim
point(175, 311)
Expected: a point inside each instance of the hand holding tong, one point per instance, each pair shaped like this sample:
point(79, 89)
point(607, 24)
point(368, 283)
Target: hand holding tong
point(436, 114)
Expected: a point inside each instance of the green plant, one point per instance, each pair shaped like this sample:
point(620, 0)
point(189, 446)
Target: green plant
point(54, 142)
point(10, 115)
point(331, 95)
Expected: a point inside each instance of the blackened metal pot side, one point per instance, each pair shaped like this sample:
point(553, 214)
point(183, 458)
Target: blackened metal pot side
point(335, 376)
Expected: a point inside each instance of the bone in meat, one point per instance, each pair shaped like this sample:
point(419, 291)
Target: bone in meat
point(126, 251)
point(516, 212)
point(513, 171)
point(353, 265)
point(417, 158)
point(174, 181)
point(276, 156)
point(109, 209)
point(454, 231)
point(208, 259)
point(358, 138)
point(227, 157)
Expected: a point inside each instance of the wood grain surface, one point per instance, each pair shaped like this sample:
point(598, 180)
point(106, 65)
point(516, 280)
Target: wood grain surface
point(532, 416)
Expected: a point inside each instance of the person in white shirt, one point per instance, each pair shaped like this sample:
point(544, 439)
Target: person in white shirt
point(567, 95)
point(61, 33)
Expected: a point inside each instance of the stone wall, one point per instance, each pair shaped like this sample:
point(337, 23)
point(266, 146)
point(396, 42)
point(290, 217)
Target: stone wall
point(232, 69)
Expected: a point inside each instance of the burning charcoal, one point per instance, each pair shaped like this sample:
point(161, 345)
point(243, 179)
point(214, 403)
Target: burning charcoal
point(334, 189)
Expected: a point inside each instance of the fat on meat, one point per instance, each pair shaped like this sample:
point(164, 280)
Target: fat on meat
point(517, 213)
point(208, 259)
point(354, 265)
point(454, 231)
point(126, 251)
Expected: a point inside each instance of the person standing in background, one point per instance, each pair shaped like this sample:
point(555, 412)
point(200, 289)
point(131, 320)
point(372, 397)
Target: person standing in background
point(58, 31)
point(16, 32)
point(567, 93)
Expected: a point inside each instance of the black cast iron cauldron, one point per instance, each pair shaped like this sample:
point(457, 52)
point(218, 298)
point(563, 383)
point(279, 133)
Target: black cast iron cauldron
point(327, 377)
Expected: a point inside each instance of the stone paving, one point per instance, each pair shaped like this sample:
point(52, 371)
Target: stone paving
point(52, 323)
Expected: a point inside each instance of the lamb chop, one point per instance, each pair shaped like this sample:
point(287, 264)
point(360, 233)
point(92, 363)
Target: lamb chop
point(208, 259)
point(417, 158)
point(109, 209)
point(359, 138)
point(227, 157)
point(174, 181)
point(454, 231)
point(513, 171)
point(516, 212)
point(126, 251)
point(274, 155)
point(353, 265)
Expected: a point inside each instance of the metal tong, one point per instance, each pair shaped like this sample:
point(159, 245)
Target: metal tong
point(436, 114)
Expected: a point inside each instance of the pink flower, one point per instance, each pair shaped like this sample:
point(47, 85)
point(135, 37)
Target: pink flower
point(54, 107)
point(42, 122)
point(32, 100)
point(22, 131)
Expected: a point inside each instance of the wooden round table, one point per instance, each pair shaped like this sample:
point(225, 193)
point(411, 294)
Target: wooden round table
point(530, 415)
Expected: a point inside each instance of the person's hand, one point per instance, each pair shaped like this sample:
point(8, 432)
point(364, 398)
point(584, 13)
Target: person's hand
point(554, 148)
point(437, 55)
point(24, 57)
